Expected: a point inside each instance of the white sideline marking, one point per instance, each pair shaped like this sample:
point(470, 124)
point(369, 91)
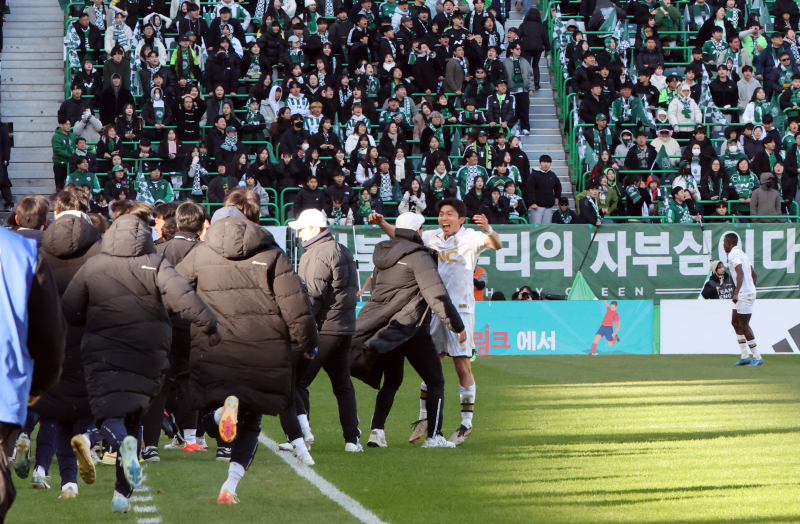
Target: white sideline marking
point(350, 505)
point(144, 509)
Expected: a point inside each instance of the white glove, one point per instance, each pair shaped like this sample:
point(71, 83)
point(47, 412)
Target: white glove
point(677, 129)
point(195, 161)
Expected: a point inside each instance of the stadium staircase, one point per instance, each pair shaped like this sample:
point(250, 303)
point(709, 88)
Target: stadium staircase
point(31, 90)
point(545, 137)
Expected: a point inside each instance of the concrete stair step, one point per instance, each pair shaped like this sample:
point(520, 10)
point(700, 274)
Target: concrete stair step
point(30, 155)
point(24, 139)
point(18, 88)
point(48, 124)
point(43, 168)
point(542, 124)
point(41, 3)
point(14, 56)
point(545, 140)
point(36, 108)
point(534, 154)
point(53, 24)
point(50, 96)
point(35, 14)
point(42, 188)
point(36, 78)
point(540, 130)
point(56, 64)
point(534, 110)
point(24, 45)
point(49, 32)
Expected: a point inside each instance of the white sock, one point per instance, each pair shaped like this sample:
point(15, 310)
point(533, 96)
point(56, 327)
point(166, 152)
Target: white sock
point(743, 346)
point(218, 415)
point(70, 485)
point(87, 440)
point(189, 436)
point(41, 472)
point(467, 404)
point(423, 399)
point(235, 474)
point(299, 446)
point(752, 345)
point(304, 425)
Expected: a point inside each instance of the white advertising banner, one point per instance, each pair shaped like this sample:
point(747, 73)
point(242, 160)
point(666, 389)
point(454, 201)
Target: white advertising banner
point(691, 327)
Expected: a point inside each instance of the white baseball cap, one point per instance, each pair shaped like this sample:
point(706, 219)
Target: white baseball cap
point(309, 218)
point(410, 221)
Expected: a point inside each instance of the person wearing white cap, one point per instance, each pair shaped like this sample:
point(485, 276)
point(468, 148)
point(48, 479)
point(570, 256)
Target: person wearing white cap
point(458, 249)
point(330, 275)
point(684, 114)
point(670, 145)
point(395, 325)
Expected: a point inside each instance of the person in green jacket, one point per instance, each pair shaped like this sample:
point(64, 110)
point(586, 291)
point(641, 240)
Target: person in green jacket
point(63, 143)
point(155, 190)
point(82, 177)
point(668, 19)
point(678, 211)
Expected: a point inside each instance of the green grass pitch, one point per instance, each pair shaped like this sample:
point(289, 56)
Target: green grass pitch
point(639, 439)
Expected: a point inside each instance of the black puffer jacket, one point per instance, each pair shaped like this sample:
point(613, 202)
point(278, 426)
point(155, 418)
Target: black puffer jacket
point(263, 310)
point(175, 250)
point(405, 286)
point(67, 244)
point(329, 272)
point(533, 33)
point(122, 296)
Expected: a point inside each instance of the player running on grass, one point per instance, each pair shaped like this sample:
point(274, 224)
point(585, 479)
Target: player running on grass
point(744, 296)
point(607, 327)
point(458, 248)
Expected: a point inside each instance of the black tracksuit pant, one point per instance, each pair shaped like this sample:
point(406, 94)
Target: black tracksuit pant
point(522, 108)
point(423, 357)
point(334, 357)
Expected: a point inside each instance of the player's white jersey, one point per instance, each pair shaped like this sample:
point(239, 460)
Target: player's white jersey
point(458, 258)
point(737, 257)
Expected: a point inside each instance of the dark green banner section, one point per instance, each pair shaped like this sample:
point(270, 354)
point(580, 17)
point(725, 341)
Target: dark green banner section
point(630, 261)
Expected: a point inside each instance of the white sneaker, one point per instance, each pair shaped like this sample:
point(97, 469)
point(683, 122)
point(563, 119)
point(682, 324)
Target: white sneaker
point(376, 440)
point(285, 447)
point(526, 132)
point(353, 448)
point(305, 459)
point(174, 444)
point(438, 442)
point(309, 440)
point(202, 441)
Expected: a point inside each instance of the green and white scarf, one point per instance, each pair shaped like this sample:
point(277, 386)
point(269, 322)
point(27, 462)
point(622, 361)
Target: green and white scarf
point(732, 15)
point(159, 110)
point(373, 86)
point(230, 143)
point(517, 72)
point(296, 55)
point(437, 131)
point(718, 46)
point(99, 18)
point(254, 70)
point(119, 34)
point(687, 106)
point(196, 172)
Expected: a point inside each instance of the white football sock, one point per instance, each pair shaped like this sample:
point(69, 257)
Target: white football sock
point(304, 425)
point(743, 346)
point(467, 404)
point(189, 436)
point(87, 440)
point(753, 349)
point(235, 474)
point(423, 399)
point(40, 471)
point(70, 485)
point(218, 415)
point(299, 446)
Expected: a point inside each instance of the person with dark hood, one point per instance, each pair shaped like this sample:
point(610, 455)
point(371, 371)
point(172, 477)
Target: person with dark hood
point(713, 183)
point(265, 320)
point(535, 40)
point(720, 285)
point(476, 196)
point(113, 101)
point(64, 410)
point(395, 325)
point(222, 185)
point(124, 356)
point(496, 207)
point(222, 69)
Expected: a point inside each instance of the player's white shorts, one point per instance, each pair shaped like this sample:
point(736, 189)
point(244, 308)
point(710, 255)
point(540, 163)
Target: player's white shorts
point(745, 304)
point(447, 342)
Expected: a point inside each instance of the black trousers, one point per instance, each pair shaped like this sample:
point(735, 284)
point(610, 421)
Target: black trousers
point(421, 354)
point(248, 428)
point(522, 107)
point(533, 57)
point(288, 417)
point(334, 357)
point(8, 436)
point(60, 172)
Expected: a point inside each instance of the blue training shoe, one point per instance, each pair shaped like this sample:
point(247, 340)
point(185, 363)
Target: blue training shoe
point(743, 362)
point(120, 503)
point(756, 362)
point(129, 460)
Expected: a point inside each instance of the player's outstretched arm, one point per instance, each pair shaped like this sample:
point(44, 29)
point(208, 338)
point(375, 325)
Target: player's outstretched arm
point(493, 242)
point(378, 220)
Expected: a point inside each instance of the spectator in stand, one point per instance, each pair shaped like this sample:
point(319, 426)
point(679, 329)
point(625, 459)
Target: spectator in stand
point(535, 41)
point(766, 200)
point(496, 207)
point(310, 196)
point(720, 285)
point(520, 84)
point(118, 65)
point(63, 143)
point(637, 196)
point(564, 215)
point(476, 196)
point(641, 156)
point(113, 101)
point(684, 114)
point(541, 190)
point(589, 210)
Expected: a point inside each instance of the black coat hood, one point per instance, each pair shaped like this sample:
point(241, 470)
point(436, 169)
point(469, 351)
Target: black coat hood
point(235, 238)
point(128, 237)
point(387, 254)
point(69, 236)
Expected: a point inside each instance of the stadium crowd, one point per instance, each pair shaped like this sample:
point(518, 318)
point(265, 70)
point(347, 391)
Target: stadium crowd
point(321, 104)
point(691, 114)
